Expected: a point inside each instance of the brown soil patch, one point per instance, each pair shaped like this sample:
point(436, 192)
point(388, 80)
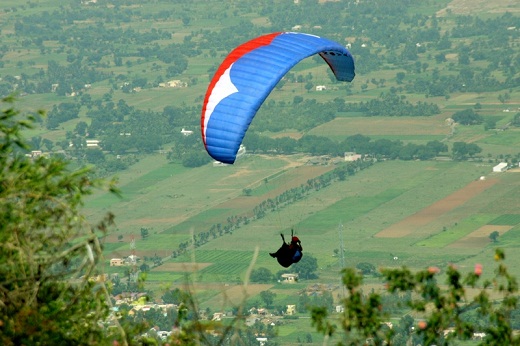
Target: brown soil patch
point(430, 213)
point(181, 267)
point(241, 173)
point(480, 237)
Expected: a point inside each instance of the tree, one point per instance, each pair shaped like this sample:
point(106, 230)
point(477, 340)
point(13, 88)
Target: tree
point(516, 120)
point(95, 156)
point(467, 117)
point(268, 298)
point(308, 338)
point(399, 77)
point(441, 307)
point(366, 268)
point(494, 236)
point(461, 150)
point(49, 253)
point(490, 123)
point(144, 233)
point(261, 275)
point(307, 267)
point(81, 128)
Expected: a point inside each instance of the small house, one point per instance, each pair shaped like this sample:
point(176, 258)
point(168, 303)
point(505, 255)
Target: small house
point(116, 262)
point(36, 153)
point(92, 143)
point(261, 340)
point(217, 316)
point(350, 156)
point(289, 278)
point(186, 132)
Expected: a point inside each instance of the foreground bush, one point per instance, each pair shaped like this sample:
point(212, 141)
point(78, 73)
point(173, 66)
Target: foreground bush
point(447, 312)
point(50, 291)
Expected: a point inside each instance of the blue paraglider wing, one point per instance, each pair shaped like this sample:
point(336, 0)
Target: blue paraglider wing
point(247, 76)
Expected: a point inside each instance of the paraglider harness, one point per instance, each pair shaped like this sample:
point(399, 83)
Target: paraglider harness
point(288, 254)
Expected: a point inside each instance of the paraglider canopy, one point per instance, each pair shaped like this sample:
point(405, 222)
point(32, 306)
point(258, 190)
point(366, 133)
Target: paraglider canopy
point(247, 76)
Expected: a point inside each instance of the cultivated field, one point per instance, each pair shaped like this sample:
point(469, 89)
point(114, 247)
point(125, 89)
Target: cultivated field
point(423, 213)
point(437, 209)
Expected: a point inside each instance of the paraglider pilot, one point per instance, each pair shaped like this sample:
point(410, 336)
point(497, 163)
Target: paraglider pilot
point(288, 254)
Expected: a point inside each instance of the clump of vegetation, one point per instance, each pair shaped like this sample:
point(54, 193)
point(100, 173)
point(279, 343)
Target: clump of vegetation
point(448, 311)
point(50, 289)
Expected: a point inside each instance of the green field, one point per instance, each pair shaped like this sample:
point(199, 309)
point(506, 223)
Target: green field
point(364, 204)
point(462, 229)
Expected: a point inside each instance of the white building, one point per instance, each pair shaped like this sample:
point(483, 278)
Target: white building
point(92, 143)
point(290, 278)
point(262, 341)
point(186, 132)
point(116, 262)
point(501, 167)
point(241, 151)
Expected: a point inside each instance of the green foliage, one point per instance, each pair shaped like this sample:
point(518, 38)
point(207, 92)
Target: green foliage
point(467, 117)
point(461, 150)
point(493, 236)
point(268, 298)
point(175, 296)
point(444, 307)
point(49, 286)
point(145, 232)
point(307, 267)
point(261, 275)
point(366, 268)
point(362, 318)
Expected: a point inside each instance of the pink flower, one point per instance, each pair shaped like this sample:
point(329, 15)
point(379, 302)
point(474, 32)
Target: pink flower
point(433, 270)
point(478, 269)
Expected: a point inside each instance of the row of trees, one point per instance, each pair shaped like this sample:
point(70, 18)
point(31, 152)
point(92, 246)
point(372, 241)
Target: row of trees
point(379, 148)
